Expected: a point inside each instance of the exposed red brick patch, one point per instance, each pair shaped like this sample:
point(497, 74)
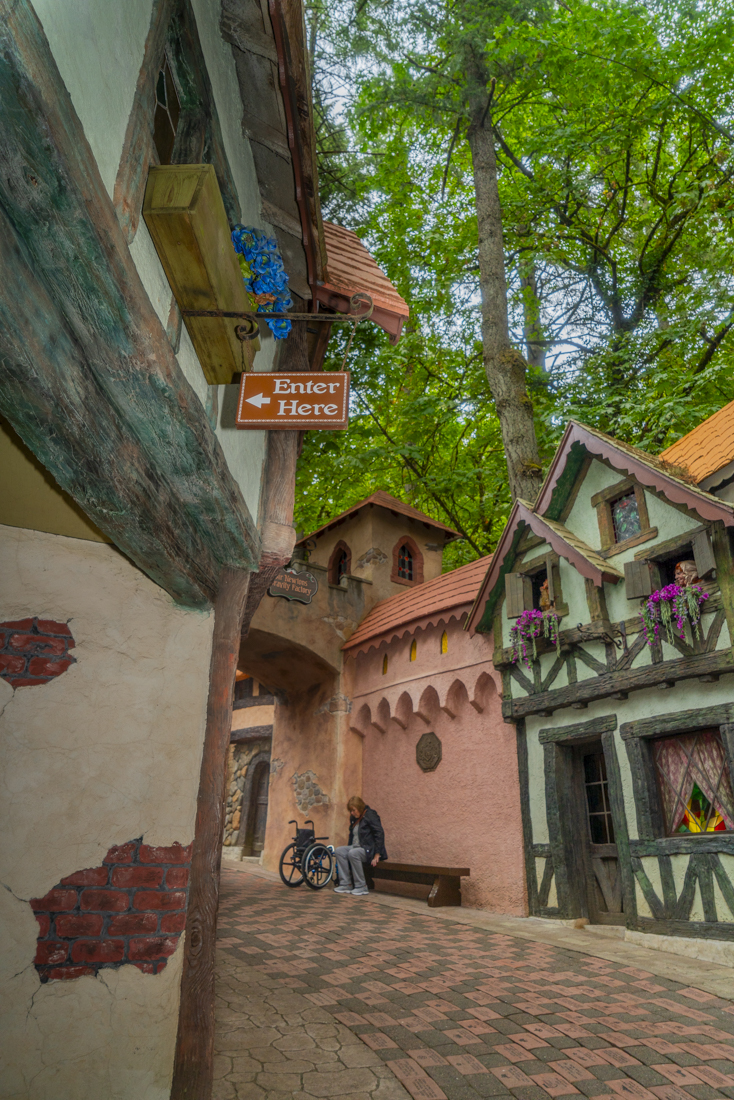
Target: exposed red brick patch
point(71, 925)
point(92, 876)
point(161, 899)
point(177, 876)
point(121, 853)
point(173, 922)
point(51, 951)
point(148, 947)
point(113, 901)
point(65, 972)
point(174, 854)
point(34, 651)
point(48, 626)
point(99, 917)
point(44, 924)
point(98, 951)
point(131, 924)
point(137, 876)
point(54, 901)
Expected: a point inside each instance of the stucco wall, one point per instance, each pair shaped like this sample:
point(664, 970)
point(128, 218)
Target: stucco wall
point(108, 752)
point(467, 811)
point(371, 534)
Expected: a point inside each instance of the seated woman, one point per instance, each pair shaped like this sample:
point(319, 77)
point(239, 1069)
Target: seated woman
point(366, 845)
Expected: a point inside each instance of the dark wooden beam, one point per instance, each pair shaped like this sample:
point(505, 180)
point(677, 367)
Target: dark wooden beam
point(194, 1066)
point(579, 731)
point(88, 378)
point(679, 722)
point(601, 687)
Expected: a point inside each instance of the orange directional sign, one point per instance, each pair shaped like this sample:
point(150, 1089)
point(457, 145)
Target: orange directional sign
point(304, 399)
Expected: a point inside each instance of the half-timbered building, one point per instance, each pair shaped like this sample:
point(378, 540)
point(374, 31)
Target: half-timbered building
point(625, 729)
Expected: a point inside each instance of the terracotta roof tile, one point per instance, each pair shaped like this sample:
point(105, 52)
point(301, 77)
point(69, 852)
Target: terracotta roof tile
point(445, 593)
point(350, 268)
point(382, 499)
point(597, 563)
point(706, 449)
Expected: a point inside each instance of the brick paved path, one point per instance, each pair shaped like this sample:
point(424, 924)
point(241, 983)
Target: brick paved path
point(453, 1011)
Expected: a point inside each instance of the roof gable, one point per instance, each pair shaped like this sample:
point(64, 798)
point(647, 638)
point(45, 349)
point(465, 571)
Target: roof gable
point(579, 443)
point(381, 499)
point(565, 543)
point(673, 481)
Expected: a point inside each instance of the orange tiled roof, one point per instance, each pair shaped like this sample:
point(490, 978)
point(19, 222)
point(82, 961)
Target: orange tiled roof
point(350, 268)
point(382, 500)
point(708, 448)
point(445, 593)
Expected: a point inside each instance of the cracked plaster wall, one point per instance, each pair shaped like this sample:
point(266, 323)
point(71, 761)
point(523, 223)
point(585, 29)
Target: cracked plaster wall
point(108, 751)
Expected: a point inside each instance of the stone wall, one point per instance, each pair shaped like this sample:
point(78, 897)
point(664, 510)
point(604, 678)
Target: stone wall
point(240, 755)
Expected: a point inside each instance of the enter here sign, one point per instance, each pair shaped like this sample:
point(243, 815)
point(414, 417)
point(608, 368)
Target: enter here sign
point(304, 399)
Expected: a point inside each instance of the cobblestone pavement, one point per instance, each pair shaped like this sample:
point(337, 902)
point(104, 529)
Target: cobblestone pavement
point(324, 995)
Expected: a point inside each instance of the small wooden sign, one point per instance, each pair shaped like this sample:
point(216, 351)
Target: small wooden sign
point(303, 400)
point(294, 586)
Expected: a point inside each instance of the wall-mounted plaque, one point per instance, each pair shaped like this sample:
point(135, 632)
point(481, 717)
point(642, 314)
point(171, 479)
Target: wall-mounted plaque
point(428, 752)
point(294, 586)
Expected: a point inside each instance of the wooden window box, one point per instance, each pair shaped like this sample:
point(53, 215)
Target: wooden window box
point(185, 216)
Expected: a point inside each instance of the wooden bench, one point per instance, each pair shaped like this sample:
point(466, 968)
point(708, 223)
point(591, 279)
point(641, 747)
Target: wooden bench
point(445, 882)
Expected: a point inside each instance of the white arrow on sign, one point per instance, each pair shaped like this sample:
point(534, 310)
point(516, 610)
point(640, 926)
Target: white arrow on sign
point(259, 399)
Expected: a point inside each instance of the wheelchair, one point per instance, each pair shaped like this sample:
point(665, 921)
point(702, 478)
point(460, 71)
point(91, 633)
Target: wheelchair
point(307, 859)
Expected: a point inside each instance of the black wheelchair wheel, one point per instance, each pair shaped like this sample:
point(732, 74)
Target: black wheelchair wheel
point(290, 866)
point(318, 866)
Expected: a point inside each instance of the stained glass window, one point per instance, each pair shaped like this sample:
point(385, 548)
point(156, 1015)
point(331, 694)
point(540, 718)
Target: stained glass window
point(601, 826)
point(167, 111)
point(626, 517)
point(405, 563)
point(694, 783)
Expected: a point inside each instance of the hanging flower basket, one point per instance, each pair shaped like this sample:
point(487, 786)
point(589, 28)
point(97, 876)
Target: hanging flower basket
point(669, 603)
point(264, 275)
point(530, 626)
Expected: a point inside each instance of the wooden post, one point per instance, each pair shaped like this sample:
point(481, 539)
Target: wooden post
point(193, 1071)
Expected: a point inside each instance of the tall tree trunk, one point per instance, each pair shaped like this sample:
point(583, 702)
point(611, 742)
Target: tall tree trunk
point(532, 325)
point(504, 365)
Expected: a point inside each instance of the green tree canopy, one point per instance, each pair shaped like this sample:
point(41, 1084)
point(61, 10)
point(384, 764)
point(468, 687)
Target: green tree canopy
point(611, 123)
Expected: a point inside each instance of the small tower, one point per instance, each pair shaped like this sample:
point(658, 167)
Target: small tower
point(381, 540)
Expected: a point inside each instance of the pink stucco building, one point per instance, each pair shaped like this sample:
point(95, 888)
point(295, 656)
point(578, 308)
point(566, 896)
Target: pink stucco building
point(353, 683)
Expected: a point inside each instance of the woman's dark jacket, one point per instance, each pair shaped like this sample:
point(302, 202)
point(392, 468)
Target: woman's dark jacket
point(371, 834)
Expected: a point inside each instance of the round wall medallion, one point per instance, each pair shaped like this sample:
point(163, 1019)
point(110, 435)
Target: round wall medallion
point(428, 752)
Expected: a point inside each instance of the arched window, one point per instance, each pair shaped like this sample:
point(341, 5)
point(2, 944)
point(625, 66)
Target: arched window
point(413, 650)
point(340, 562)
point(384, 664)
point(444, 642)
point(407, 562)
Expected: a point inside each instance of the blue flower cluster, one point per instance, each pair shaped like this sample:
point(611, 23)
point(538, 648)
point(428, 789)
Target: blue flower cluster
point(264, 275)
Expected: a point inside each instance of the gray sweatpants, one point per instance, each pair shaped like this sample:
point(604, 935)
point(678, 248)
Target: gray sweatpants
point(350, 863)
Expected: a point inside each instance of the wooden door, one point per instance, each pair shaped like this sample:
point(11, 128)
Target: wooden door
point(603, 878)
point(259, 804)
